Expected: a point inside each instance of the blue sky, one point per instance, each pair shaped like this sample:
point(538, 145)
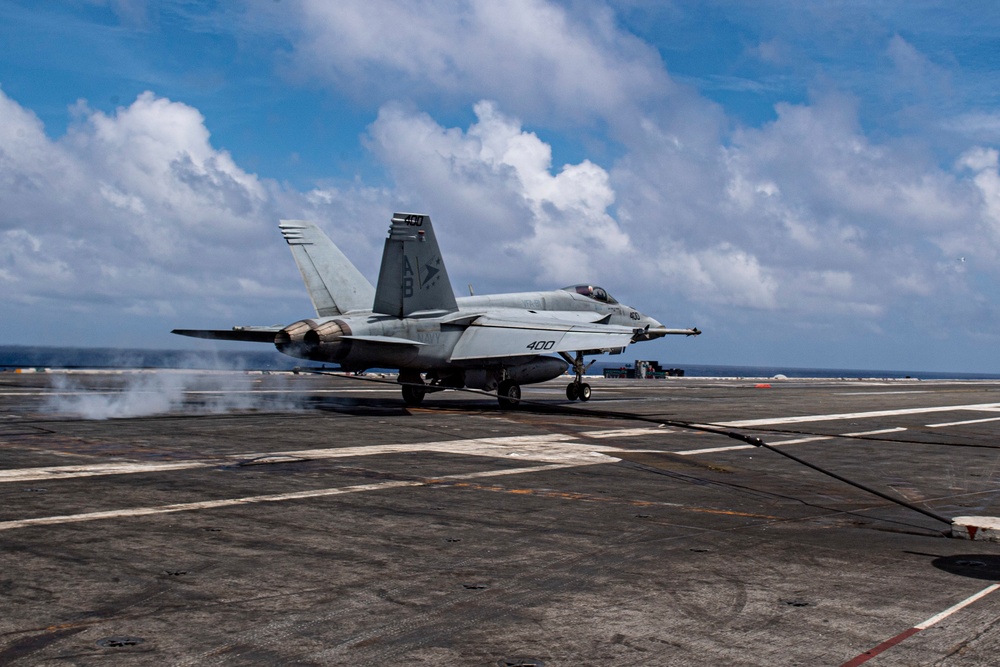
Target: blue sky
point(812, 184)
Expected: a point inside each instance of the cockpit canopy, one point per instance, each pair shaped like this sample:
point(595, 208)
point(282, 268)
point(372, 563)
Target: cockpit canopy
point(595, 293)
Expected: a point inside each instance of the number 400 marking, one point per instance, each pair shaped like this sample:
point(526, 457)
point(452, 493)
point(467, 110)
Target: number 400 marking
point(541, 345)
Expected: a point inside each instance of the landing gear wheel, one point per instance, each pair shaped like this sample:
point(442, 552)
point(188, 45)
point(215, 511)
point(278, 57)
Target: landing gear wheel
point(413, 395)
point(572, 391)
point(577, 389)
point(508, 395)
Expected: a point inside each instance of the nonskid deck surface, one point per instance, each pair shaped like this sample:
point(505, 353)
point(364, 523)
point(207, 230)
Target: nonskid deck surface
point(232, 519)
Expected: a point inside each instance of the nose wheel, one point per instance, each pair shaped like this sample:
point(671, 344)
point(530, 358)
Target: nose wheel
point(577, 389)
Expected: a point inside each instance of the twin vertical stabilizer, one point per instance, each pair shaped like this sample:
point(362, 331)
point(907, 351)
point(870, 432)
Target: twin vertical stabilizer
point(335, 285)
point(413, 276)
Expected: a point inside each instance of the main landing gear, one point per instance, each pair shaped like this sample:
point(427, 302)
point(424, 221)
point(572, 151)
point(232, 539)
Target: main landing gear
point(508, 395)
point(577, 389)
point(413, 389)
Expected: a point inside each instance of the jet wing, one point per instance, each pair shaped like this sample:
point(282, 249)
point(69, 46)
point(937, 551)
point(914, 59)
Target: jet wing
point(494, 336)
point(243, 334)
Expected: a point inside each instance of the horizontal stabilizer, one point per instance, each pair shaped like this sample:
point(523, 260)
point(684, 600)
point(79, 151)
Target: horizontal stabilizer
point(242, 334)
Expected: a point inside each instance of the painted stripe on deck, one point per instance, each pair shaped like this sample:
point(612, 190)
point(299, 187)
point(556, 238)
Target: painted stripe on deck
point(796, 441)
point(230, 502)
point(906, 634)
point(732, 448)
point(880, 431)
point(626, 432)
point(970, 421)
point(982, 407)
point(96, 469)
point(551, 448)
point(883, 393)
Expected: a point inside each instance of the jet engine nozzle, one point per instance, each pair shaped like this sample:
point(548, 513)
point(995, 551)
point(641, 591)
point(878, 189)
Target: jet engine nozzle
point(319, 340)
point(291, 335)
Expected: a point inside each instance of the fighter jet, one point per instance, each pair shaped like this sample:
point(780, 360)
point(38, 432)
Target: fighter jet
point(412, 321)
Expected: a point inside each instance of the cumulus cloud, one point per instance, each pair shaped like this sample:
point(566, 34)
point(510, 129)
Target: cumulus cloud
point(538, 56)
point(873, 197)
point(494, 183)
point(128, 206)
point(978, 125)
point(984, 163)
point(806, 215)
point(803, 215)
point(136, 212)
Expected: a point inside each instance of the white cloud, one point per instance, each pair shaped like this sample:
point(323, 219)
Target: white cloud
point(538, 56)
point(721, 274)
point(807, 215)
point(774, 51)
point(127, 208)
point(803, 215)
point(985, 163)
point(909, 62)
point(498, 180)
point(978, 125)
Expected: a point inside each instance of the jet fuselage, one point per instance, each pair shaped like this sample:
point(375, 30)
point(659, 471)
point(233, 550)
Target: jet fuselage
point(356, 340)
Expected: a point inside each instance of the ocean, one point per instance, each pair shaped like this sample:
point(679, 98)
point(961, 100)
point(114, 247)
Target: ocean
point(21, 356)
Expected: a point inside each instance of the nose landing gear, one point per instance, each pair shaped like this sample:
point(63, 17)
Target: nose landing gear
point(577, 389)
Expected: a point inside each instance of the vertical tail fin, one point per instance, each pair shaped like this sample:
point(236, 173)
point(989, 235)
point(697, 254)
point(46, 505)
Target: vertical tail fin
point(413, 276)
point(335, 285)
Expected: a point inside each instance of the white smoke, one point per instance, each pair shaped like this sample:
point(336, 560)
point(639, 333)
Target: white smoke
point(147, 393)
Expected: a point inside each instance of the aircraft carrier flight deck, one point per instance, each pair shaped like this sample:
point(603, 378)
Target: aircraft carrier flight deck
point(234, 519)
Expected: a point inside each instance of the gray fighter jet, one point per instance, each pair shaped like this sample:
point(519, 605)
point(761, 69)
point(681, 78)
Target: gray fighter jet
point(412, 321)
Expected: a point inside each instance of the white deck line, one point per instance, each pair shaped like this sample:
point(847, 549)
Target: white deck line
point(970, 421)
point(880, 431)
point(951, 610)
point(231, 502)
point(796, 441)
point(551, 448)
point(772, 421)
point(712, 450)
point(731, 448)
point(626, 432)
point(97, 469)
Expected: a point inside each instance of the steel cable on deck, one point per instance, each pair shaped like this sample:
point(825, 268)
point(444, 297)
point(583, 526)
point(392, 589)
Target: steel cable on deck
point(691, 426)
